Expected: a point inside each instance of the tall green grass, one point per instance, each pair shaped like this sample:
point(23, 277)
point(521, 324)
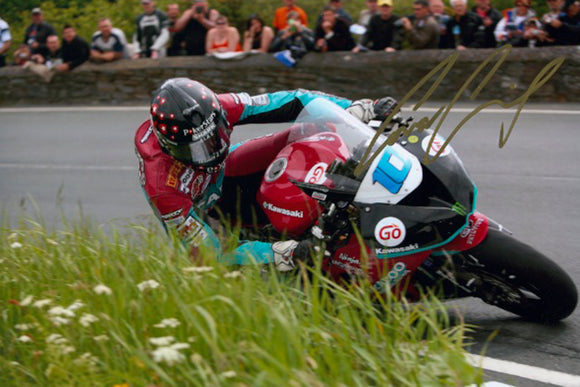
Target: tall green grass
point(81, 307)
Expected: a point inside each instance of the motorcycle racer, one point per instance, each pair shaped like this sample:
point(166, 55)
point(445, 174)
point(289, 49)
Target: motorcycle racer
point(183, 159)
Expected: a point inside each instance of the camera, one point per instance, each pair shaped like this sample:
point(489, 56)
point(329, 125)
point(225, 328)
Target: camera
point(199, 9)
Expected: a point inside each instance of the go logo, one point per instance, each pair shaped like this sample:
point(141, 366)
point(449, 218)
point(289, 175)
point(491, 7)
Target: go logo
point(317, 174)
point(390, 232)
point(436, 146)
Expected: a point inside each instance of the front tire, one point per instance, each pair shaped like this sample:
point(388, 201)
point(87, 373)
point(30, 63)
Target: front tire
point(514, 276)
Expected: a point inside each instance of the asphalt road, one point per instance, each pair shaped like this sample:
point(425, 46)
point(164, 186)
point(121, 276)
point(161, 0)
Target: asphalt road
point(57, 162)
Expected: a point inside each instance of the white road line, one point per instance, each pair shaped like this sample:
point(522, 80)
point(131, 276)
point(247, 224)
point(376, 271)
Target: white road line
point(144, 108)
point(58, 167)
point(525, 371)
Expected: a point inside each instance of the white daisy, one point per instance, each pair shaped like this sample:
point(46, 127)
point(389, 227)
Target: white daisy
point(75, 305)
point(197, 269)
point(60, 311)
point(56, 338)
point(168, 323)
point(16, 245)
point(149, 284)
point(170, 354)
point(42, 303)
point(24, 339)
point(27, 301)
point(58, 321)
point(102, 289)
point(87, 319)
point(161, 341)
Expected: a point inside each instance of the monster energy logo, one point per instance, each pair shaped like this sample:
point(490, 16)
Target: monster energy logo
point(459, 208)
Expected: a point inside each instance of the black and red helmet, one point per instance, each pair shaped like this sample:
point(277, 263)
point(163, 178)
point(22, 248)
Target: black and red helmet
point(189, 123)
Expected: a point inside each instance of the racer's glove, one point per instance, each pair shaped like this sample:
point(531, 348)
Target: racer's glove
point(363, 109)
point(288, 253)
point(382, 108)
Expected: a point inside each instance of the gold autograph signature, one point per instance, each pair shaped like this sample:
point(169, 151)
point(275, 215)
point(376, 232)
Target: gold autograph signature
point(543, 76)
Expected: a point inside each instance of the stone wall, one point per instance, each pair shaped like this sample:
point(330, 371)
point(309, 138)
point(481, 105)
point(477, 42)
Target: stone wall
point(370, 74)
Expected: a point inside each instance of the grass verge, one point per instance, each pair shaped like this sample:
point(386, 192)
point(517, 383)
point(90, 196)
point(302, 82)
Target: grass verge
point(128, 308)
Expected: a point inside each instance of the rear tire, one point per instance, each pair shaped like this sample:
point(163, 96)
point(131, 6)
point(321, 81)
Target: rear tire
point(514, 276)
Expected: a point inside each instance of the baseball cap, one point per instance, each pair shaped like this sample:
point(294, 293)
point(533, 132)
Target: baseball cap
point(385, 2)
point(36, 11)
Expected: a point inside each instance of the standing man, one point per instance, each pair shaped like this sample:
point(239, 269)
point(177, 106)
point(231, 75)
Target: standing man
point(281, 15)
point(194, 25)
point(490, 17)
point(365, 15)
point(333, 34)
point(75, 50)
point(382, 33)
point(465, 27)
point(423, 31)
point(36, 33)
point(4, 41)
point(177, 44)
point(108, 44)
point(152, 32)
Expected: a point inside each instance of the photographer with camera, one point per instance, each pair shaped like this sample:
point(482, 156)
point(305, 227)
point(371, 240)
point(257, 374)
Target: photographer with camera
point(565, 26)
point(510, 29)
point(490, 17)
point(296, 39)
point(194, 25)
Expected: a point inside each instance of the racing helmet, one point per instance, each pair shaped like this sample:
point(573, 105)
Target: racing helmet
point(190, 123)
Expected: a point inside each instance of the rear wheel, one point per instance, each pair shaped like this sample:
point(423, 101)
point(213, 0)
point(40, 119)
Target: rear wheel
point(512, 275)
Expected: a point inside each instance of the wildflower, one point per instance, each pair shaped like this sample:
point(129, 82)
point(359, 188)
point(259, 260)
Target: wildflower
point(170, 354)
point(168, 323)
point(42, 303)
point(87, 319)
point(196, 358)
point(197, 269)
point(229, 374)
point(86, 358)
point(27, 301)
point(16, 245)
point(56, 338)
point(60, 311)
point(101, 338)
point(51, 242)
point(57, 320)
point(102, 289)
point(25, 327)
point(149, 284)
point(25, 339)
point(233, 274)
point(66, 349)
point(75, 305)
point(160, 341)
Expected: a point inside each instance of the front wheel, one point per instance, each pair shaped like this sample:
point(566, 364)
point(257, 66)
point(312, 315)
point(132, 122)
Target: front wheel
point(514, 276)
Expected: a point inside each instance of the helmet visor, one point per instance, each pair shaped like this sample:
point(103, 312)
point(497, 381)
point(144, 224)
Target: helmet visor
point(207, 150)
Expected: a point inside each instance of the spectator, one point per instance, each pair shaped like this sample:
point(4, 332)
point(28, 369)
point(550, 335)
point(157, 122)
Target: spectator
point(36, 33)
point(177, 44)
point(47, 60)
point(510, 29)
point(195, 24)
point(490, 17)
point(296, 38)
point(108, 44)
point(152, 32)
point(382, 33)
point(465, 27)
point(5, 39)
point(34, 37)
point(75, 50)
point(437, 9)
point(281, 15)
point(365, 15)
point(332, 34)
point(222, 38)
point(257, 37)
point(341, 12)
point(566, 28)
point(423, 31)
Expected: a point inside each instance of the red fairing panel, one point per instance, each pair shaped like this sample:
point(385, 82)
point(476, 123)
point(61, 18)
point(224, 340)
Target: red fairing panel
point(470, 236)
point(289, 209)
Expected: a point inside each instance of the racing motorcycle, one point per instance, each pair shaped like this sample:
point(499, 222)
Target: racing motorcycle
point(403, 224)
